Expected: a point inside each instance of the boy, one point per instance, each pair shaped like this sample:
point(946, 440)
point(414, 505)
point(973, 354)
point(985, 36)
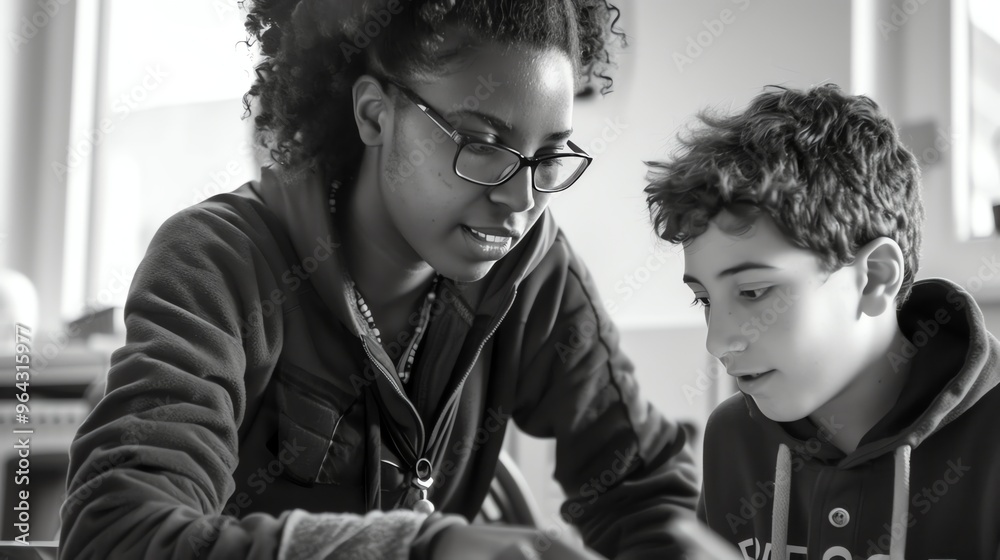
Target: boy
point(865, 424)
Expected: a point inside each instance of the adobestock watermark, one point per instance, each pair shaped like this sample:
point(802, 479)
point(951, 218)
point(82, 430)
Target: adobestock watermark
point(697, 44)
point(611, 132)
point(136, 432)
point(31, 25)
point(932, 324)
point(921, 501)
point(801, 453)
point(376, 22)
point(237, 504)
point(580, 334)
point(122, 107)
point(59, 340)
point(446, 300)
point(407, 165)
point(589, 493)
point(292, 278)
point(631, 283)
point(781, 301)
point(704, 382)
point(900, 15)
point(494, 422)
point(224, 180)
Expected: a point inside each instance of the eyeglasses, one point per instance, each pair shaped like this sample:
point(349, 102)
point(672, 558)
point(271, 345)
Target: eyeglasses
point(491, 164)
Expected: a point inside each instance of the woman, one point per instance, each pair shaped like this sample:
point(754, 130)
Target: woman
point(320, 359)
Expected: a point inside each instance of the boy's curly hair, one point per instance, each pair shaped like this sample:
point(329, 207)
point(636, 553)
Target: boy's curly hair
point(313, 51)
point(827, 167)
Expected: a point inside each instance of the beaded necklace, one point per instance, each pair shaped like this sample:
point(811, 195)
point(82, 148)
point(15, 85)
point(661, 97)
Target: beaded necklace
point(403, 368)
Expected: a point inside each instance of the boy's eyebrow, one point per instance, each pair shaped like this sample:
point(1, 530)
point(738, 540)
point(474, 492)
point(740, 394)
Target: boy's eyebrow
point(744, 266)
point(732, 270)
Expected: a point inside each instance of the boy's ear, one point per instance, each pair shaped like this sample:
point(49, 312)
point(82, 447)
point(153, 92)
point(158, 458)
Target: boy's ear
point(880, 267)
point(372, 110)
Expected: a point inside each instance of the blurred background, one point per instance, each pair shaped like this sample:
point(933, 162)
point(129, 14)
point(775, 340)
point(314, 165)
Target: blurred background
point(119, 113)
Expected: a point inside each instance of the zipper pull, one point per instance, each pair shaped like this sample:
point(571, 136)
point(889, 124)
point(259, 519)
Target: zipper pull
point(422, 482)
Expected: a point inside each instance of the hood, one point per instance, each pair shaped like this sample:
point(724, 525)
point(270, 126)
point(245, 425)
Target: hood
point(953, 363)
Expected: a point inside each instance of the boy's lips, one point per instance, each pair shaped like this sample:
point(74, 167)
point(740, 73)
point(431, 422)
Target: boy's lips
point(749, 381)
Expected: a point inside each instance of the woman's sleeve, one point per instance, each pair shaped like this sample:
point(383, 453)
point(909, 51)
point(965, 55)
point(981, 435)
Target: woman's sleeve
point(151, 468)
point(625, 468)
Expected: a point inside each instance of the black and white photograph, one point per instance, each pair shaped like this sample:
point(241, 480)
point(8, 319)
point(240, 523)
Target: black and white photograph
point(500, 279)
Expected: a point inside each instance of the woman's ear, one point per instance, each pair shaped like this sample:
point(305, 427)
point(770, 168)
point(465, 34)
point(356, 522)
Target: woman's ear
point(372, 110)
point(881, 269)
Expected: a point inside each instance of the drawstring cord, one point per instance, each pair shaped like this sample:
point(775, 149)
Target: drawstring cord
point(782, 495)
point(900, 504)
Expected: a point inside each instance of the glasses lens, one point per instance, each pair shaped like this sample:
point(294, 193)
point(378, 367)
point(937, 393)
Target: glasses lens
point(486, 163)
point(491, 164)
point(558, 173)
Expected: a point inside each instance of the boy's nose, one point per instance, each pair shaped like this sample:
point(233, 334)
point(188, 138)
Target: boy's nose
point(724, 338)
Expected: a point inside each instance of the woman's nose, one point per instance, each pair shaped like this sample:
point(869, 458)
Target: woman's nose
point(518, 194)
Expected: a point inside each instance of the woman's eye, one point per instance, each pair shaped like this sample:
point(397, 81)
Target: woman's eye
point(755, 293)
point(481, 149)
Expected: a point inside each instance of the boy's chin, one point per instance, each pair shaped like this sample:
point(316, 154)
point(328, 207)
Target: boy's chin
point(779, 413)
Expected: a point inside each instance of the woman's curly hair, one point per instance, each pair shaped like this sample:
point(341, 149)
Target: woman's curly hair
point(314, 50)
point(828, 168)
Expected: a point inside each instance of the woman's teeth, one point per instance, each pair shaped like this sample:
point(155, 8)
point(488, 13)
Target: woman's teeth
point(490, 238)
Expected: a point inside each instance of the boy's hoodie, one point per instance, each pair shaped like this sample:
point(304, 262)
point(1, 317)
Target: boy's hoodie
point(926, 477)
point(252, 414)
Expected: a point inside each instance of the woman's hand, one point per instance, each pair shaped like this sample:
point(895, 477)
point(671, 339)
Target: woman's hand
point(494, 542)
point(700, 543)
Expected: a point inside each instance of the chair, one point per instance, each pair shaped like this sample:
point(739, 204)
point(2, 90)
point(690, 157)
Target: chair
point(509, 500)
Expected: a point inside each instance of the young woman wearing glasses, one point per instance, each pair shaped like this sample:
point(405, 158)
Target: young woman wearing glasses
point(322, 363)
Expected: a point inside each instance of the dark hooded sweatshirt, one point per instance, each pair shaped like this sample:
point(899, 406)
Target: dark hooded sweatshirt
point(252, 414)
point(924, 482)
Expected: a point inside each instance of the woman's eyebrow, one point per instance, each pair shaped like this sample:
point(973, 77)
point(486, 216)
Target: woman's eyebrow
point(492, 120)
point(559, 136)
point(505, 126)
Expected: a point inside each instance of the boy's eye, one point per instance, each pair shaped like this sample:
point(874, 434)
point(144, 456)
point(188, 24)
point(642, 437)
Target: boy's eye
point(701, 300)
point(755, 293)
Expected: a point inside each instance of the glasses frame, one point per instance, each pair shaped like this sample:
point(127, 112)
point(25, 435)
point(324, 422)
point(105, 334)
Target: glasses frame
point(462, 140)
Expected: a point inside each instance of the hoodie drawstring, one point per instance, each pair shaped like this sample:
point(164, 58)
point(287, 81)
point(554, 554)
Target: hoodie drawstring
point(782, 495)
point(900, 503)
point(779, 511)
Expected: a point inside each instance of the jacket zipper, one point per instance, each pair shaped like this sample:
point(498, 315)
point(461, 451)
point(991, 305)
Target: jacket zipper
point(399, 391)
point(507, 305)
point(423, 444)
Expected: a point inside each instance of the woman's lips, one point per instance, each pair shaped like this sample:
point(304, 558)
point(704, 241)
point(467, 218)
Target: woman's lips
point(487, 245)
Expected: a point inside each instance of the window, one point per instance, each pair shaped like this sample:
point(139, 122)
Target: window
point(983, 99)
point(168, 130)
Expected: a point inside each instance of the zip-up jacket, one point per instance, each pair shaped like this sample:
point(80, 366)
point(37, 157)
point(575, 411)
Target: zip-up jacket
point(252, 414)
point(923, 483)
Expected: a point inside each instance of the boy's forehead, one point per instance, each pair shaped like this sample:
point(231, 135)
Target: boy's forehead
point(719, 248)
